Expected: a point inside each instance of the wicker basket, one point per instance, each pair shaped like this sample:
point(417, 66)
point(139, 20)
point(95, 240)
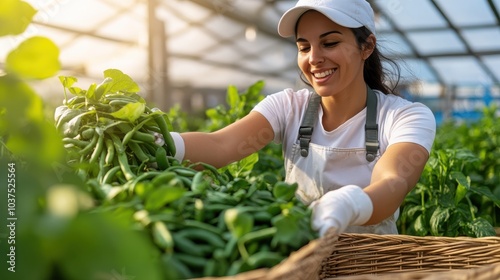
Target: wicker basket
point(373, 256)
point(387, 257)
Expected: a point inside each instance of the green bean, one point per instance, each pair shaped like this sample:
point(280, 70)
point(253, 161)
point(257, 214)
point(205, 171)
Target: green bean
point(110, 151)
point(163, 237)
point(254, 235)
point(138, 152)
point(90, 146)
point(163, 178)
point(131, 131)
point(162, 124)
point(175, 266)
point(120, 102)
point(264, 259)
point(103, 168)
point(210, 268)
point(125, 167)
point(98, 148)
point(75, 142)
point(110, 174)
point(88, 133)
point(186, 245)
point(161, 158)
point(202, 235)
point(192, 261)
point(182, 171)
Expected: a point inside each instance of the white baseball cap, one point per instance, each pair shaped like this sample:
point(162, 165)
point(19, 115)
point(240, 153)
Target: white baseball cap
point(347, 13)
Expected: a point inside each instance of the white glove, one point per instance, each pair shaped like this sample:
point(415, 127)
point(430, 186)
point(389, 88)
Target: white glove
point(338, 209)
point(179, 146)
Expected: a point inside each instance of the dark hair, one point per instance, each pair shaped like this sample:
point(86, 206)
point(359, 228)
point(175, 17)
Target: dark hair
point(376, 77)
point(374, 74)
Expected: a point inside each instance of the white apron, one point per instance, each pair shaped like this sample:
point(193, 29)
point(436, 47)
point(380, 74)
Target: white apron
point(326, 168)
point(331, 169)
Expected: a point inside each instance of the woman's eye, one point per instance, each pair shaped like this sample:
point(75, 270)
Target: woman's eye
point(330, 44)
point(303, 48)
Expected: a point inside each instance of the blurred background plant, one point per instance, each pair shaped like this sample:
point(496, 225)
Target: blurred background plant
point(55, 236)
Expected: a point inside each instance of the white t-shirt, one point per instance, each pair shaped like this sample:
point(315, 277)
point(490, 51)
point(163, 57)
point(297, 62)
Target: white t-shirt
point(399, 120)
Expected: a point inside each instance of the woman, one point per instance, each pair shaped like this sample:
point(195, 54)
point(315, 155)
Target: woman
point(354, 163)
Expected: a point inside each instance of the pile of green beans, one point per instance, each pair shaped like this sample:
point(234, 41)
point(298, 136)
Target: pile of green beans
point(111, 149)
point(205, 223)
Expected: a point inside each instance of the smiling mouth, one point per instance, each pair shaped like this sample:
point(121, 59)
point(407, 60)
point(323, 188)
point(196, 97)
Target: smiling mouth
point(323, 74)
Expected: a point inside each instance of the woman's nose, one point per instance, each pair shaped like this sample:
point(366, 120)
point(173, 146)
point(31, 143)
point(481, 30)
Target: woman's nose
point(316, 56)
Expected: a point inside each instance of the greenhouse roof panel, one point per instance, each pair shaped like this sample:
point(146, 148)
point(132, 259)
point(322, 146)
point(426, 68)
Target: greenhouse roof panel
point(222, 42)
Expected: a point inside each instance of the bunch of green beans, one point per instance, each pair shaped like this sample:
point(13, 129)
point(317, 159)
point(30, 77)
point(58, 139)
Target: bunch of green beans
point(205, 223)
point(115, 137)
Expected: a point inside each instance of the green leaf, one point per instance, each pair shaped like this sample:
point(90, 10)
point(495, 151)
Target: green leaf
point(130, 112)
point(27, 106)
point(164, 195)
point(420, 226)
point(121, 82)
point(486, 192)
point(411, 211)
point(287, 230)
point(453, 223)
point(481, 228)
point(460, 193)
point(67, 81)
point(100, 242)
point(77, 91)
point(284, 191)
point(461, 178)
point(35, 58)
point(233, 97)
point(463, 185)
point(90, 93)
point(98, 91)
point(15, 16)
point(439, 220)
point(444, 199)
point(238, 222)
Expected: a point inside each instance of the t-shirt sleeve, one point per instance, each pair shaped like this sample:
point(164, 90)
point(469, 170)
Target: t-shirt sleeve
point(272, 108)
point(414, 123)
point(283, 110)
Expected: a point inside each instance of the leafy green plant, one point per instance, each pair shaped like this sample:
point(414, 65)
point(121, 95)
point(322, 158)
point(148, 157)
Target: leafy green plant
point(444, 201)
point(238, 105)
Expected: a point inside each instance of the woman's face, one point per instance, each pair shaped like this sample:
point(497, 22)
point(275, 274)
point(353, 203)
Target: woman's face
point(328, 54)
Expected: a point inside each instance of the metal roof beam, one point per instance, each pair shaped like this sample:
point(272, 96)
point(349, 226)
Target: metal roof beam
point(85, 33)
point(470, 52)
point(242, 18)
point(413, 48)
point(494, 10)
point(438, 55)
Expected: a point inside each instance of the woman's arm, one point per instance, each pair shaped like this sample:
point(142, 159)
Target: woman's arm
point(394, 176)
point(229, 144)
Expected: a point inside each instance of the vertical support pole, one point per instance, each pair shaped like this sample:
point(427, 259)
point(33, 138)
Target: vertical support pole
point(158, 82)
point(449, 99)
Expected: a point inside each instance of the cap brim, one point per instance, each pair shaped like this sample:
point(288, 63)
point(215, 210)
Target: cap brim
point(287, 23)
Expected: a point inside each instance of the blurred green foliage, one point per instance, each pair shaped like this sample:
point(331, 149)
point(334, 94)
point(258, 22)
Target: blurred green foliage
point(459, 190)
point(55, 236)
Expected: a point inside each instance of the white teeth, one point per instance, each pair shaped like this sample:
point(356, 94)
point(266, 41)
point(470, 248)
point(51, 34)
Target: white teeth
point(323, 74)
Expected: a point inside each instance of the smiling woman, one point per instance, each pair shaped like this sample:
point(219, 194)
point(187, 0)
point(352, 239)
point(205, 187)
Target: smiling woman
point(354, 179)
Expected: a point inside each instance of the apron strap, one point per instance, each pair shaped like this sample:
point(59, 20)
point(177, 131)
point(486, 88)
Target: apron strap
point(307, 125)
point(371, 126)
